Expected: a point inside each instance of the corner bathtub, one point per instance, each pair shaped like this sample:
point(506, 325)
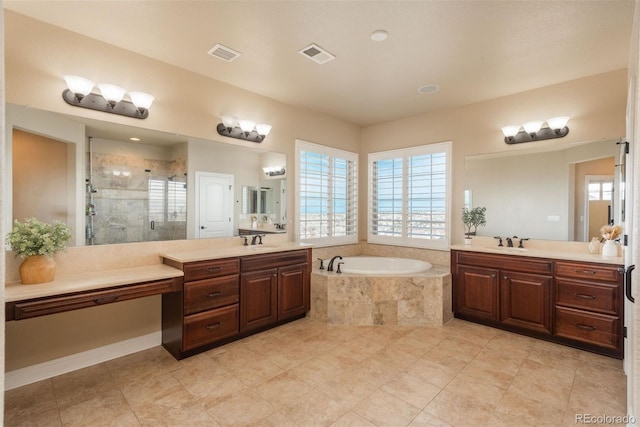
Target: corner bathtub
point(379, 265)
point(381, 291)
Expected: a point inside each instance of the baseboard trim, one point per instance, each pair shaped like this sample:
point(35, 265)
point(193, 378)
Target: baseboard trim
point(63, 365)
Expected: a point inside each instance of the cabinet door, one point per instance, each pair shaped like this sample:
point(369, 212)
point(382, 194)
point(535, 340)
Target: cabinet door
point(525, 301)
point(293, 287)
point(258, 299)
point(477, 292)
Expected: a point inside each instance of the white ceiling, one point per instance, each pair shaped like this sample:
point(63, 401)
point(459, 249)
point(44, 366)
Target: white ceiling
point(474, 50)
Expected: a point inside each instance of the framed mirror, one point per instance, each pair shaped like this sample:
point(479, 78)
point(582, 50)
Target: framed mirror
point(544, 194)
point(116, 184)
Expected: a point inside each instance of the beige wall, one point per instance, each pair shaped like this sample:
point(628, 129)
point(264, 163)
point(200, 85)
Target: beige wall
point(39, 177)
point(596, 105)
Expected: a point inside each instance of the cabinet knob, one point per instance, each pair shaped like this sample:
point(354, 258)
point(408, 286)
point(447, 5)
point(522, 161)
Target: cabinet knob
point(493, 276)
point(505, 277)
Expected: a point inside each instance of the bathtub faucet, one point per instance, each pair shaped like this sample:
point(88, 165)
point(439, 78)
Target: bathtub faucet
point(330, 266)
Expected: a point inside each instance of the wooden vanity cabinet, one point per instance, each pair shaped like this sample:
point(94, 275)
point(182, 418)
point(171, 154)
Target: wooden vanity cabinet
point(207, 310)
point(227, 299)
point(589, 305)
point(574, 303)
point(259, 299)
point(274, 288)
point(498, 291)
point(525, 301)
point(476, 293)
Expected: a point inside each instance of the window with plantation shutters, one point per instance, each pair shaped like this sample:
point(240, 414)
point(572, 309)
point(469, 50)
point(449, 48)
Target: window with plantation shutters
point(409, 196)
point(167, 200)
point(156, 200)
point(326, 194)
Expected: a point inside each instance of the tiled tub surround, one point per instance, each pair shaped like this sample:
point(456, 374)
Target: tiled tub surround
point(354, 299)
point(357, 299)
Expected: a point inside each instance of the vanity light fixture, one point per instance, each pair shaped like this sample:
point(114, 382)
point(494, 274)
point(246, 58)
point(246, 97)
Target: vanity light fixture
point(274, 170)
point(535, 131)
point(110, 100)
point(243, 129)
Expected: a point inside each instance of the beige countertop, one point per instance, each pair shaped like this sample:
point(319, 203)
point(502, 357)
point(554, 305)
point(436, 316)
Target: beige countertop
point(233, 251)
point(64, 284)
point(542, 253)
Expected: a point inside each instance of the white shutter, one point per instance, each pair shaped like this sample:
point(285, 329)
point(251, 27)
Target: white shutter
point(327, 194)
point(409, 193)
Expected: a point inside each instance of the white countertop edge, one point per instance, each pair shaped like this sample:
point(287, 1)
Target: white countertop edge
point(234, 251)
point(64, 284)
point(541, 253)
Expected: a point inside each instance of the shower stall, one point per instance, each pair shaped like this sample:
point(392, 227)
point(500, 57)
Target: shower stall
point(134, 197)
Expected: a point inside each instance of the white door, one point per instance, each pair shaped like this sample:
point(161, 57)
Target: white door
point(214, 205)
point(631, 207)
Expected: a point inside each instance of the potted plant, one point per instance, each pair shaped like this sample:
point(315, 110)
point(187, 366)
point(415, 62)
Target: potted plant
point(37, 242)
point(473, 218)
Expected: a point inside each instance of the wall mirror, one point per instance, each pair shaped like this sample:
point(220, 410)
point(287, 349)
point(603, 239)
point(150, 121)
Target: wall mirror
point(111, 188)
point(564, 193)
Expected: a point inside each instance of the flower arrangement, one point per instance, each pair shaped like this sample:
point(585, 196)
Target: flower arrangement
point(34, 237)
point(473, 218)
point(610, 232)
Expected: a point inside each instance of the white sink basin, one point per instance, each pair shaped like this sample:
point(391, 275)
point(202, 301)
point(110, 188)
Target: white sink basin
point(259, 248)
point(506, 249)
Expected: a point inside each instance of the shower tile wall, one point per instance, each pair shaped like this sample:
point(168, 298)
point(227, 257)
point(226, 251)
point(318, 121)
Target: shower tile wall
point(122, 198)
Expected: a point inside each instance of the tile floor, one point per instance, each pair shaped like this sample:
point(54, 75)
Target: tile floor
point(307, 373)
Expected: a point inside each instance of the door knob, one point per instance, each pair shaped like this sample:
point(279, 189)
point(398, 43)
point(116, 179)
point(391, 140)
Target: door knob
point(202, 227)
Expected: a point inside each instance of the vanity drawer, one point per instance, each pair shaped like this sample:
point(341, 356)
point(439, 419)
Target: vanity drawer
point(207, 269)
point(280, 259)
point(514, 263)
point(211, 293)
point(602, 298)
point(58, 304)
point(591, 328)
point(587, 271)
point(210, 326)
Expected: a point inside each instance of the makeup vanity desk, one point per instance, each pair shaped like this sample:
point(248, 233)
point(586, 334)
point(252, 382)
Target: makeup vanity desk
point(89, 289)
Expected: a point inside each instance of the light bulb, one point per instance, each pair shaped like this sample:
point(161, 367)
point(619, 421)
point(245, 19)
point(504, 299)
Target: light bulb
point(80, 86)
point(112, 93)
point(229, 122)
point(532, 127)
point(558, 123)
point(246, 125)
point(510, 131)
point(141, 100)
point(263, 129)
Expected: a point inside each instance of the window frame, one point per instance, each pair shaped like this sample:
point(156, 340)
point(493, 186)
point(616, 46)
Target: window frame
point(405, 154)
point(301, 146)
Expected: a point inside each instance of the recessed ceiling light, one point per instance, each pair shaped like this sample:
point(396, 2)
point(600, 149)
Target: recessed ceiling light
point(428, 88)
point(133, 138)
point(379, 35)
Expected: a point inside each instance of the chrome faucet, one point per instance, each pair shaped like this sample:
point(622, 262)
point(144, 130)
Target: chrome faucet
point(330, 266)
point(257, 236)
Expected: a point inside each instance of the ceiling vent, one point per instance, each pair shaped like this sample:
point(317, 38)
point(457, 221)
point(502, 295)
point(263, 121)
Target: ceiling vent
point(223, 52)
point(316, 54)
